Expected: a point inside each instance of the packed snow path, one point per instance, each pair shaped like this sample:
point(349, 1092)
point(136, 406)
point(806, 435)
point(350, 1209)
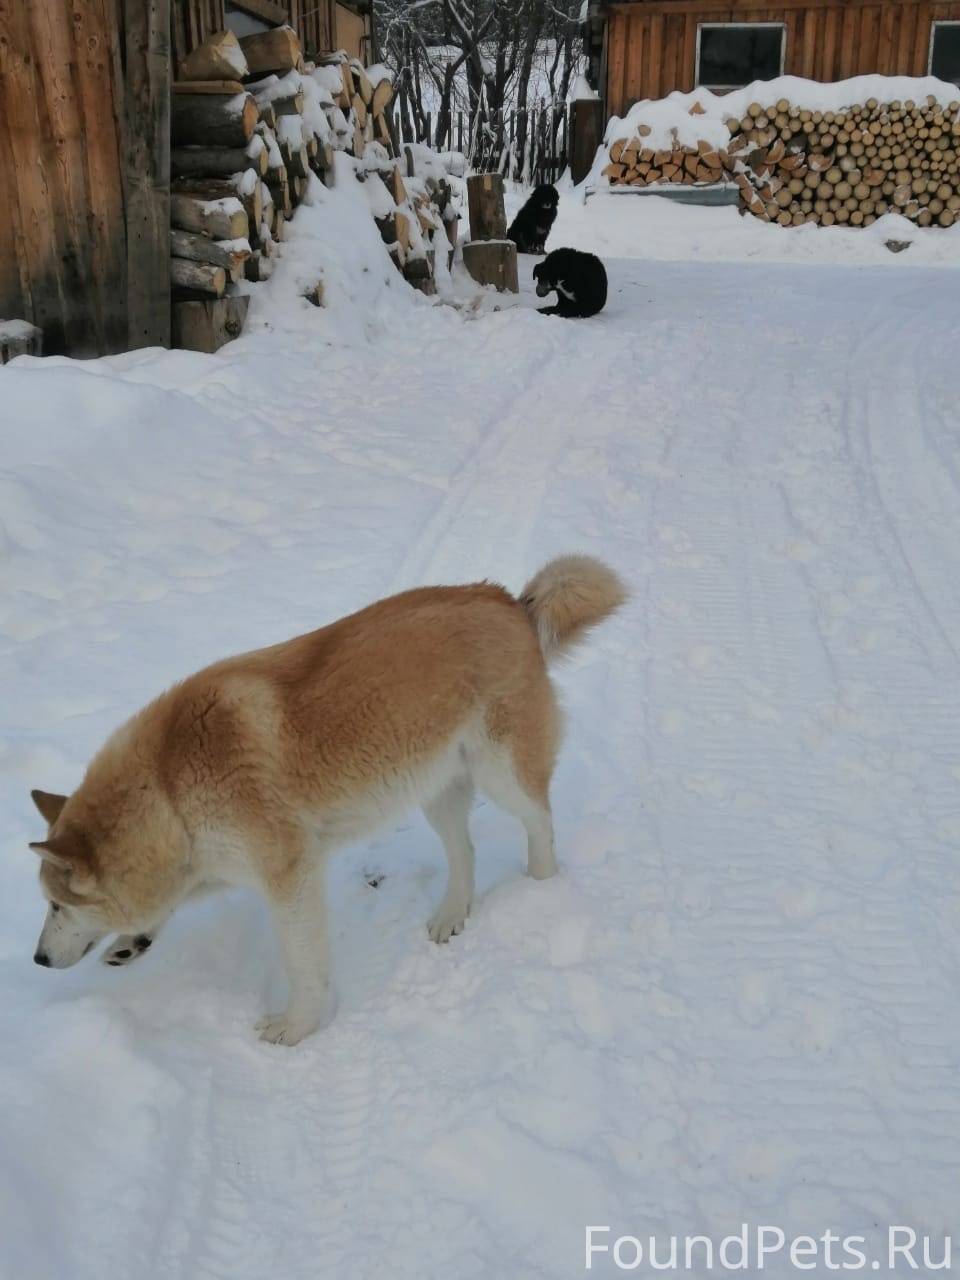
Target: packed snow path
point(737, 1003)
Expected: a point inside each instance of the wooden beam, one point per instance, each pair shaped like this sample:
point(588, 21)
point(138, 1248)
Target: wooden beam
point(147, 170)
point(265, 10)
point(731, 8)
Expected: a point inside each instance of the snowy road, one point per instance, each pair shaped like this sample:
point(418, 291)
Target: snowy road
point(738, 1003)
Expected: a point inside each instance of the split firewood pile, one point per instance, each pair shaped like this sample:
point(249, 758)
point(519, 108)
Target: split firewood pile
point(251, 120)
point(416, 209)
point(634, 163)
point(827, 167)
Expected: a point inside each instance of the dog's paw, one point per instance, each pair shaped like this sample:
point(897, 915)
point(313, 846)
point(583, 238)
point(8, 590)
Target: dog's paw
point(127, 948)
point(444, 924)
point(283, 1028)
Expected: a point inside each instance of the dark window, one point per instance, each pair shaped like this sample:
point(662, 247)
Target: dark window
point(733, 56)
point(945, 51)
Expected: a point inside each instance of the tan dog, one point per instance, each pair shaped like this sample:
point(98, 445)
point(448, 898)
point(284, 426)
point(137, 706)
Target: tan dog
point(253, 770)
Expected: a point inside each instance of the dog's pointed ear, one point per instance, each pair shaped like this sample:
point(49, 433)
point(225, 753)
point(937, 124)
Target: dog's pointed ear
point(48, 804)
point(69, 853)
point(55, 852)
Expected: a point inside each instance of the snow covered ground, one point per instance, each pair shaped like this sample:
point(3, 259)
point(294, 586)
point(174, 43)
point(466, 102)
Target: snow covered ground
point(738, 1002)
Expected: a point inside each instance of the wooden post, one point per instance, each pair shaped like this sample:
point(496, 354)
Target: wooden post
point(586, 131)
point(147, 170)
point(488, 221)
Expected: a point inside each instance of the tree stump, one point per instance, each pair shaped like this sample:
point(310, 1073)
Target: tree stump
point(493, 262)
point(19, 338)
point(207, 326)
point(488, 221)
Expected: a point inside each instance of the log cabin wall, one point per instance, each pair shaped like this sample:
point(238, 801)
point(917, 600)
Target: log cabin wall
point(651, 45)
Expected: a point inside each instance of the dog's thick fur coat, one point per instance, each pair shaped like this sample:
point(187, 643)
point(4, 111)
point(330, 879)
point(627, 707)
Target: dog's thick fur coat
point(580, 280)
point(253, 770)
point(532, 225)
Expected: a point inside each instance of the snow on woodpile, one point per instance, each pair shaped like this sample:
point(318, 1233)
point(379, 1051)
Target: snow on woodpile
point(243, 164)
point(800, 152)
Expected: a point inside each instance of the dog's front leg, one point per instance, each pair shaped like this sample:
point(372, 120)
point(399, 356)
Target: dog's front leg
point(131, 946)
point(300, 912)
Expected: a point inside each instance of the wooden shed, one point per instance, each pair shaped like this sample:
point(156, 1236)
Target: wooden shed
point(85, 88)
point(648, 48)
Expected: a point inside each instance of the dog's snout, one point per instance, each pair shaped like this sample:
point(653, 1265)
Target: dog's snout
point(42, 958)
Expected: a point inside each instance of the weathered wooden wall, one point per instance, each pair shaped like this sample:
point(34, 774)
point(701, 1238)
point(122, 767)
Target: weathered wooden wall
point(651, 46)
point(147, 73)
point(313, 22)
point(84, 171)
point(61, 172)
point(350, 32)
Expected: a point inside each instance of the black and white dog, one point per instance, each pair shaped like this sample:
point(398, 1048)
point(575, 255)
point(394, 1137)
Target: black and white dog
point(579, 279)
point(531, 226)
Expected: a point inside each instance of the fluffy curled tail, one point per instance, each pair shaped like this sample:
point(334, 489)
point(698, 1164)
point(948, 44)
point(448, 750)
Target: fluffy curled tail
point(567, 598)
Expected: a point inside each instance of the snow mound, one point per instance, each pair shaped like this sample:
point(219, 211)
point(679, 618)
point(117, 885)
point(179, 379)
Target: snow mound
point(673, 119)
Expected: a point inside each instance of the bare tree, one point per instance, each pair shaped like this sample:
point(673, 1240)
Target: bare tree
point(487, 58)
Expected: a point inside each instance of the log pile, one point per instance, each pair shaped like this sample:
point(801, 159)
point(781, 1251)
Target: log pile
point(417, 213)
point(794, 166)
point(251, 121)
point(633, 163)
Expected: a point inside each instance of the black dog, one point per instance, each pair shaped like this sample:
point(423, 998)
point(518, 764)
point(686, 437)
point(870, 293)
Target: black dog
point(531, 226)
point(579, 279)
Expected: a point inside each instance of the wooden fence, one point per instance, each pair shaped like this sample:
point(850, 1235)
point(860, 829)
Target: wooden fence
point(526, 146)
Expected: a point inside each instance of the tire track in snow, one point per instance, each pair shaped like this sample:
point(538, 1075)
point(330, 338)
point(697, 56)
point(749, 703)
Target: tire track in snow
point(514, 460)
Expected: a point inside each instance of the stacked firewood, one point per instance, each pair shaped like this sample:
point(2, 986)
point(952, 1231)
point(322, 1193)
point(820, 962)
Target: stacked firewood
point(251, 121)
point(846, 167)
point(634, 163)
point(417, 214)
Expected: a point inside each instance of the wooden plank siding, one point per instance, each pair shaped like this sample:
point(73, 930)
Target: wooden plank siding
point(651, 44)
point(61, 156)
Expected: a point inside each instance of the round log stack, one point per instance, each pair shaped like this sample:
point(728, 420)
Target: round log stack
point(830, 168)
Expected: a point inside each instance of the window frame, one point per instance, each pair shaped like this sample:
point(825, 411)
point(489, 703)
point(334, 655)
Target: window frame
point(934, 23)
point(729, 88)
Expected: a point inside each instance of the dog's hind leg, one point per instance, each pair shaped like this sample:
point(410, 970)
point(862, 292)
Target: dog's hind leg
point(515, 767)
point(497, 776)
point(448, 814)
point(300, 912)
